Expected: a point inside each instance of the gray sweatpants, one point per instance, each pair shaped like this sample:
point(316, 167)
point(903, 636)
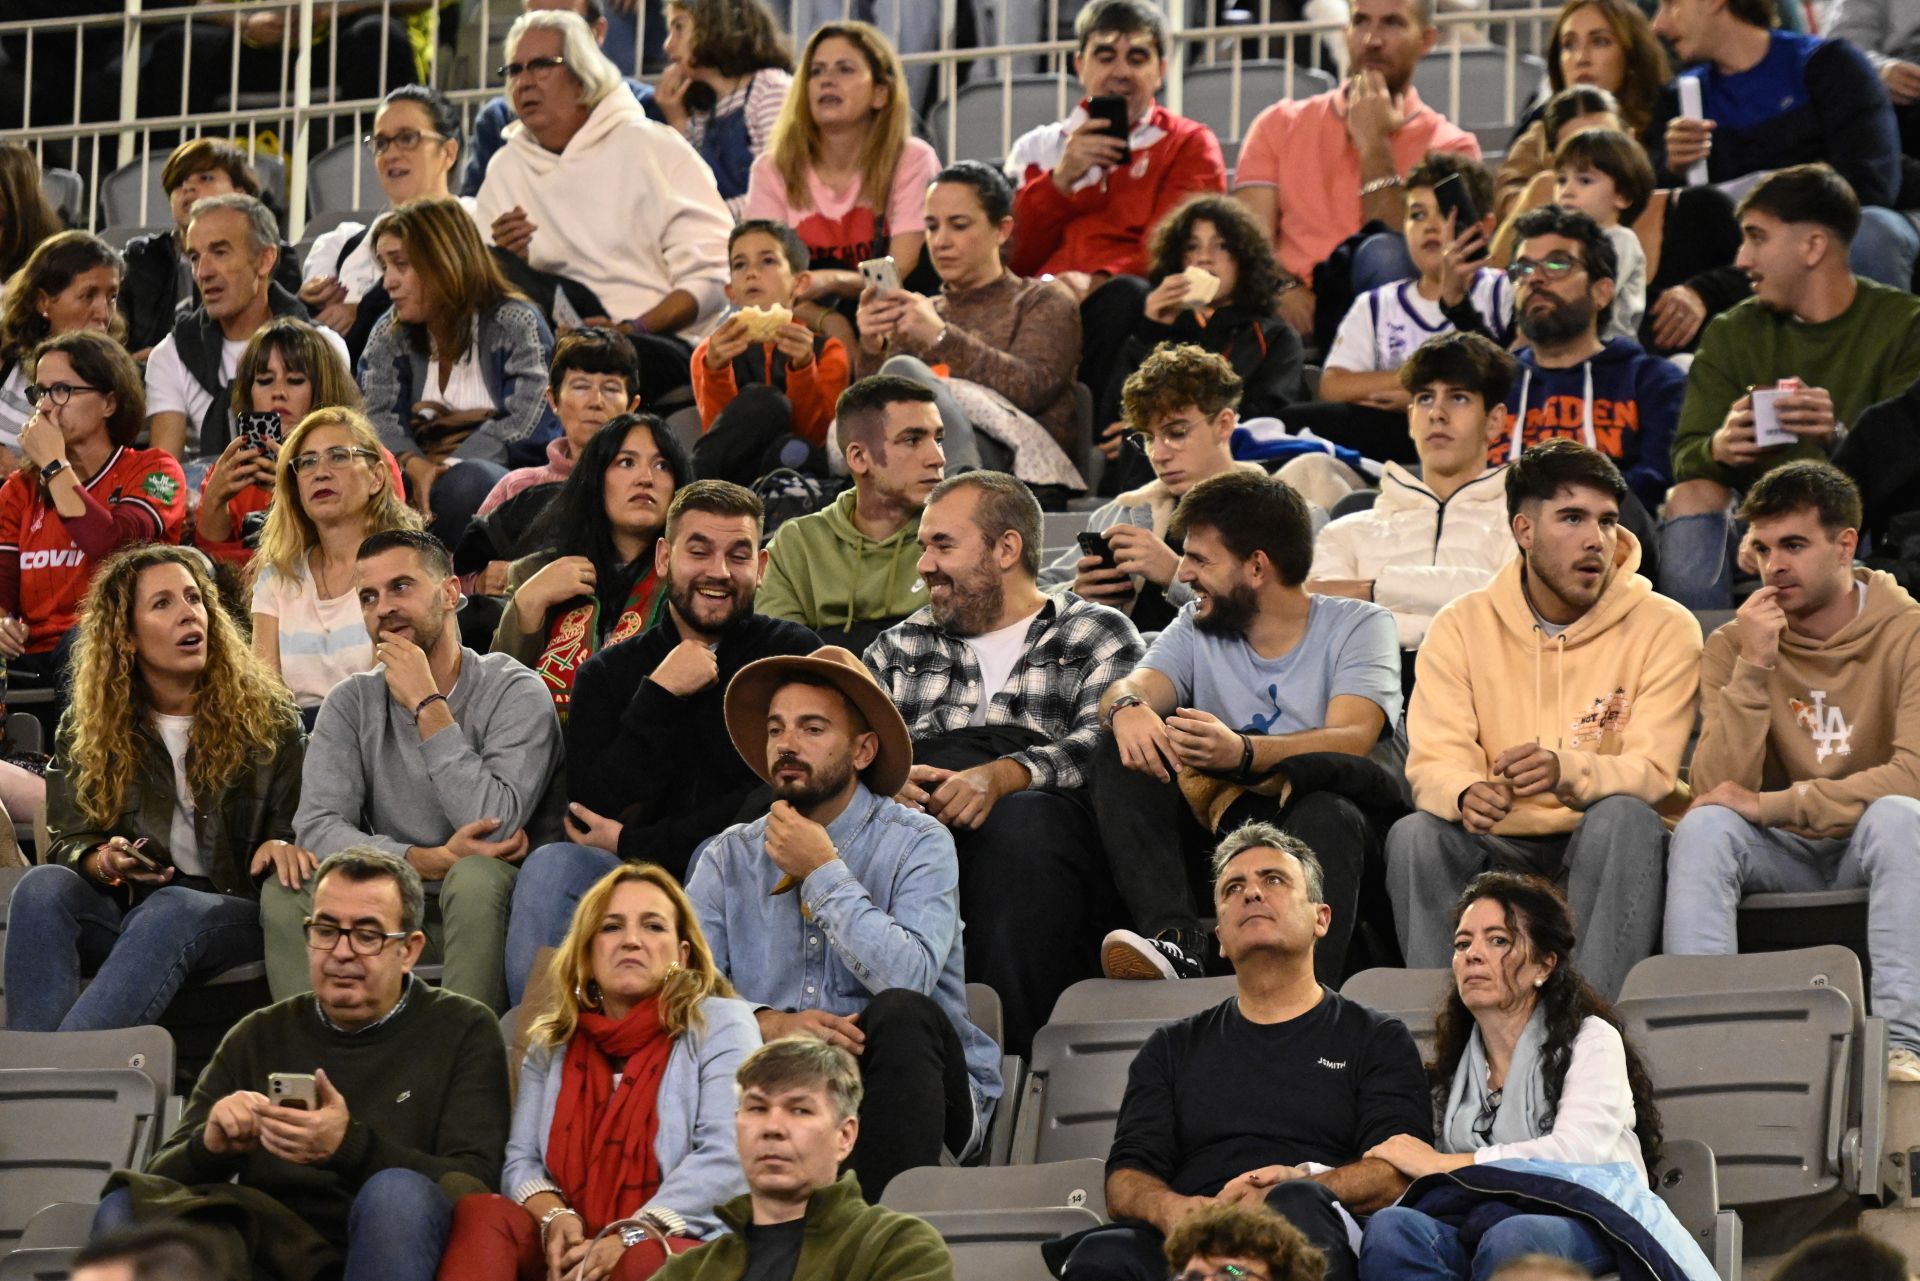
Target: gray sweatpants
point(1718, 857)
point(1613, 866)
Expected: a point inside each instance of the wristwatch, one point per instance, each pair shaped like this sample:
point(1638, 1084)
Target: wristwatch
point(52, 469)
point(1121, 703)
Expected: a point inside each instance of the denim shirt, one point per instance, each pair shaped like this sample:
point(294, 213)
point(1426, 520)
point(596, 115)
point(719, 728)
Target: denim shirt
point(885, 914)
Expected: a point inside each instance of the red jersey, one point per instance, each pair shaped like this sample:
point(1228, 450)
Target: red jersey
point(142, 490)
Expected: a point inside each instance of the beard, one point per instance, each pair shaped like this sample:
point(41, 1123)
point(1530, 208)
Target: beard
point(815, 786)
point(1231, 612)
point(1561, 323)
point(695, 609)
point(973, 605)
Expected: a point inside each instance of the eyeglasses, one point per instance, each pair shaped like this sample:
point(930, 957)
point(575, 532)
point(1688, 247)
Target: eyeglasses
point(362, 939)
point(59, 393)
point(406, 140)
point(1483, 1124)
point(1552, 267)
point(537, 67)
point(1232, 1272)
point(336, 456)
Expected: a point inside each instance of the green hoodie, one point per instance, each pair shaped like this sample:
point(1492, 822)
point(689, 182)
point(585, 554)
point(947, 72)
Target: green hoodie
point(823, 572)
point(845, 1240)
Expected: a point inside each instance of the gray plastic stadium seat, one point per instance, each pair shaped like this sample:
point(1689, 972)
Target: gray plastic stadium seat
point(1769, 922)
point(63, 1131)
point(36, 1265)
point(1483, 84)
point(1123, 1000)
point(1207, 95)
point(66, 191)
point(147, 1050)
point(1079, 1184)
point(1004, 1245)
point(1058, 530)
point(984, 1012)
point(120, 193)
point(1412, 996)
point(1360, 500)
point(1074, 1086)
point(330, 180)
point(1036, 100)
point(1686, 1178)
point(120, 235)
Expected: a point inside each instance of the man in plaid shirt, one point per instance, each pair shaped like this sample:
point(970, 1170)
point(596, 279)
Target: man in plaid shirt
point(1000, 686)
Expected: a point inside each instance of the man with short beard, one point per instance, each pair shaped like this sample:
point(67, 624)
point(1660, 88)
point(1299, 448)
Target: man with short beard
point(1550, 711)
point(838, 914)
point(1000, 686)
point(1609, 395)
point(1259, 702)
point(651, 770)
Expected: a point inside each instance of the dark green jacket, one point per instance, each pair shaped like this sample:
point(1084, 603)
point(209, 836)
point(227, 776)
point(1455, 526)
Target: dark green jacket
point(258, 807)
point(846, 1240)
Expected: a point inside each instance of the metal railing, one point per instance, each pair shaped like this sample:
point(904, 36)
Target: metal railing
point(293, 122)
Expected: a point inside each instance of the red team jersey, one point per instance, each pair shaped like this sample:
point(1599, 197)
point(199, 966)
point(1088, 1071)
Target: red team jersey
point(54, 572)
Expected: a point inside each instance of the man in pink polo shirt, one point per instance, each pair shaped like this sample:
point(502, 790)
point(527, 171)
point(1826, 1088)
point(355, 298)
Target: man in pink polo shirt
point(1318, 169)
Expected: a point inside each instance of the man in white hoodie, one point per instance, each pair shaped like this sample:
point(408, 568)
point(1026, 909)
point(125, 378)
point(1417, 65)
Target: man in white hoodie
point(589, 188)
point(1443, 533)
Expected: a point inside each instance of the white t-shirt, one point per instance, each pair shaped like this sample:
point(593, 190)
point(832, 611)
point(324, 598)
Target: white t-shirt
point(997, 653)
point(322, 642)
point(172, 390)
point(1384, 325)
point(183, 841)
point(466, 386)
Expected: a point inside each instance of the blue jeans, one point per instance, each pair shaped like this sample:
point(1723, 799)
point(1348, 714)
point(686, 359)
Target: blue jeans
point(1885, 247)
point(1405, 1245)
point(1696, 560)
point(550, 884)
point(59, 926)
point(1381, 259)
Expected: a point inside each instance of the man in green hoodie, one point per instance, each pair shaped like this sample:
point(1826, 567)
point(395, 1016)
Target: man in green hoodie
point(800, 1220)
point(851, 571)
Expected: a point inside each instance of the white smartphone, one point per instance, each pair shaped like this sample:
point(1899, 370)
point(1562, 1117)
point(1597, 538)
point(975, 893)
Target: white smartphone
point(881, 274)
point(294, 1090)
point(1690, 106)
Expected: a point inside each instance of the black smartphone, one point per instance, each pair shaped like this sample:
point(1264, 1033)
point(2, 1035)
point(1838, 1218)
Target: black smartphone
point(1452, 197)
point(1092, 544)
point(1112, 108)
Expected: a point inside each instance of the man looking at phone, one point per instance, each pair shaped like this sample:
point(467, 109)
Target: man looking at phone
point(652, 771)
point(337, 1127)
point(440, 756)
point(1850, 342)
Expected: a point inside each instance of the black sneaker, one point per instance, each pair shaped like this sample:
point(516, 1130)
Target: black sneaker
point(1127, 955)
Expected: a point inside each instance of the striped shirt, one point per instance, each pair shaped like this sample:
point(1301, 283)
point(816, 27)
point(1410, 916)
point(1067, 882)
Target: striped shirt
point(322, 642)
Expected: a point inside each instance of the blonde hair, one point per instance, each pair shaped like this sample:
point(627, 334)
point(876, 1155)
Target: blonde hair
point(241, 712)
point(796, 138)
point(571, 969)
point(290, 533)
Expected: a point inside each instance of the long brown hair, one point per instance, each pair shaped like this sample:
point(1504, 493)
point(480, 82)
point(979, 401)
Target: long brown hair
point(1645, 69)
point(796, 138)
point(454, 265)
point(50, 268)
point(302, 351)
point(571, 969)
point(241, 712)
point(26, 218)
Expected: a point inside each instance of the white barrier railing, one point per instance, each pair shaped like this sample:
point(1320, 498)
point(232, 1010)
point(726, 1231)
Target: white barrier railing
point(289, 119)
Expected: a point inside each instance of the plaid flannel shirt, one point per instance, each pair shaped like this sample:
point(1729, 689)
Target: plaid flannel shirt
point(1075, 649)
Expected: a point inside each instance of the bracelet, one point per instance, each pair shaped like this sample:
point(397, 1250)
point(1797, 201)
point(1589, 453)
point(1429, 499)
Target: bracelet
point(1121, 704)
point(551, 1215)
point(1380, 184)
point(421, 706)
point(1246, 755)
point(107, 876)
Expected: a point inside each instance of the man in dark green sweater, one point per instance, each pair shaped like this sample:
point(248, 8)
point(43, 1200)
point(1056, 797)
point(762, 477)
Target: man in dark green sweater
point(798, 1118)
point(409, 1109)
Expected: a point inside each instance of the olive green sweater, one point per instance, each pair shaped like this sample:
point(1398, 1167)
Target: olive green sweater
point(846, 1240)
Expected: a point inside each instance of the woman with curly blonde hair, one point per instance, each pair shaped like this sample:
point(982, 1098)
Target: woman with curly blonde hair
point(333, 488)
point(171, 796)
point(625, 1108)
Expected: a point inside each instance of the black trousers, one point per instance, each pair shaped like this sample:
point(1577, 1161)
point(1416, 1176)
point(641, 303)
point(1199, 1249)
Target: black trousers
point(666, 366)
point(1107, 319)
point(1158, 852)
point(753, 436)
point(1135, 1251)
point(1037, 897)
point(918, 1098)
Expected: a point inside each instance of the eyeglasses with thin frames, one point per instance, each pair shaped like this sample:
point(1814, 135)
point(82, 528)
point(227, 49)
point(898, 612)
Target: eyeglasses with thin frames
point(1232, 1272)
point(336, 456)
point(59, 393)
point(537, 67)
point(406, 140)
point(362, 940)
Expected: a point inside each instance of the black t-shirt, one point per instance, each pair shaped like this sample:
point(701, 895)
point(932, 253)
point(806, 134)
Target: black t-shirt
point(773, 1250)
point(1214, 1096)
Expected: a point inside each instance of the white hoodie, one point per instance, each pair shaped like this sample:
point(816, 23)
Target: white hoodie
point(1419, 552)
point(629, 209)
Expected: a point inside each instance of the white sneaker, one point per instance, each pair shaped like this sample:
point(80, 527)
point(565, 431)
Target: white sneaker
point(1903, 1064)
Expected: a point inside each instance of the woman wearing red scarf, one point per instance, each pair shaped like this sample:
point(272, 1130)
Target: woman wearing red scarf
point(593, 582)
point(625, 1104)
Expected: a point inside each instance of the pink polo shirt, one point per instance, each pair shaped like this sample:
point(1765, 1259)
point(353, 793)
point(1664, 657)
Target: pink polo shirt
point(1319, 197)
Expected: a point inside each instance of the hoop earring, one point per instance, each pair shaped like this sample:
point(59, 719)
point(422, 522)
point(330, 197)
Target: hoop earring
point(590, 997)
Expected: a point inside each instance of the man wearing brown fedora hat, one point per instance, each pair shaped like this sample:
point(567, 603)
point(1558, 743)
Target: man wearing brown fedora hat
point(838, 914)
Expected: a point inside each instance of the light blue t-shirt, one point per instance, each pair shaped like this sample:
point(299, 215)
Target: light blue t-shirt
point(1349, 647)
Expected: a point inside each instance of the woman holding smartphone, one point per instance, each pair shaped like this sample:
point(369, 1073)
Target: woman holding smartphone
point(170, 798)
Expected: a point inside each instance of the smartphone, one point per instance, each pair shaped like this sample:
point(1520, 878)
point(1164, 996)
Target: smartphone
point(294, 1090)
point(1452, 196)
point(1112, 108)
point(258, 429)
point(137, 851)
point(1092, 544)
point(881, 274)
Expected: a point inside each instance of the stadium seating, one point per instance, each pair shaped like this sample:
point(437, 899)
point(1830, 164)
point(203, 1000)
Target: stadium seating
point(1412, 996)
point(1209, 95)
point(64, 1130)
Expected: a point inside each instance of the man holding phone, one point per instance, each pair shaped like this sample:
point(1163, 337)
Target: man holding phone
point(410, 1083)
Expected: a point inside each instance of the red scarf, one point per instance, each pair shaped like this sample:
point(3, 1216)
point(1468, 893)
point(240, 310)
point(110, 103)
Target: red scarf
point(601, 1146)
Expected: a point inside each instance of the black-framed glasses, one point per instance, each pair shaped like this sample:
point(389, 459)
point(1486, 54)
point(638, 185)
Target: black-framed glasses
point(59, 393)
point(1552, 267)
point(1483, 1123)
point(406, 140)
point(538, 67)
point(336, 456)
point(1231, 1272)
point(363, 940)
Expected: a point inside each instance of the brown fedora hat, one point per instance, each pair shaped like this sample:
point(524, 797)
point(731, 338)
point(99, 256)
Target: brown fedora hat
point(750, 693)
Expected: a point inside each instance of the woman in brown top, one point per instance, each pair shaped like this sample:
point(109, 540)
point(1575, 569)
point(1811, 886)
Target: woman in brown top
point(1016, 337)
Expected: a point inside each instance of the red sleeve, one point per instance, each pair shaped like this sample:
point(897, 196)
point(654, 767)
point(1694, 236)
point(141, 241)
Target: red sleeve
point(815, 390)
point(152, 508)
point(13, 502)
point(1040, 217)
point(1197, 166)
point(713, 389)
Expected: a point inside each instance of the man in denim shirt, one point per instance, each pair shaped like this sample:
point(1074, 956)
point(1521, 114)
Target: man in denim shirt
point(839, 913)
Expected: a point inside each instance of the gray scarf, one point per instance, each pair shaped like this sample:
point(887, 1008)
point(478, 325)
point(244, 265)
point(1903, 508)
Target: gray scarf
point(1521, 1113)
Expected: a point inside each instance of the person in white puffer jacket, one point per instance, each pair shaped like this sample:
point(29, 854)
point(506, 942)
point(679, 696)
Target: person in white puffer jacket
point(1441, 534)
